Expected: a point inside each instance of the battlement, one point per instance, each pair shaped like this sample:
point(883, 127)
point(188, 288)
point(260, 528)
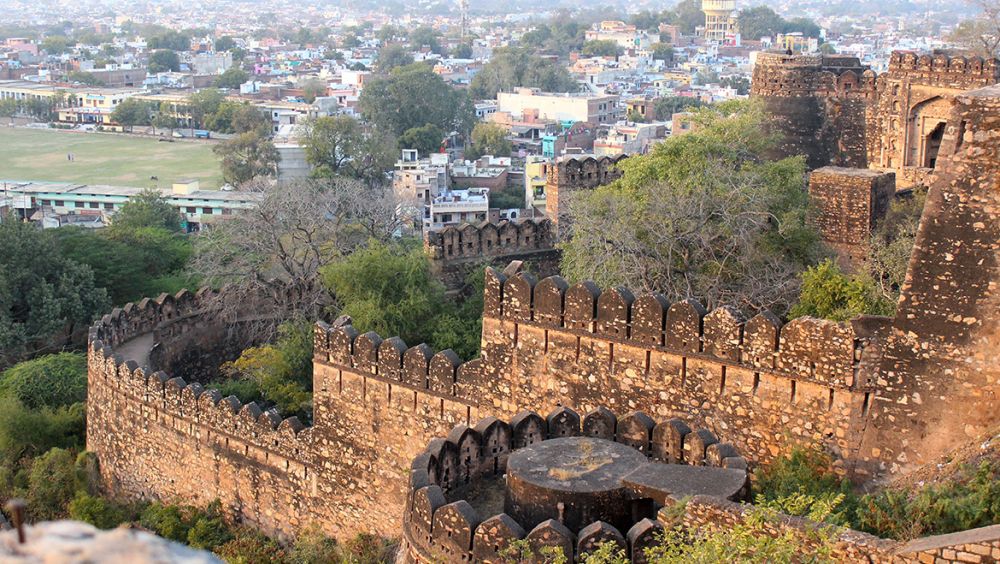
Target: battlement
point(447, 519)
point(419, 367)
point(782, 76)
point(944, 69)
point(820, 351)
point(488, 239)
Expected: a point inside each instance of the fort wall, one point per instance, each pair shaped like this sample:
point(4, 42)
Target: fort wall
point(819, 104)
point(847, 203)
point(568, 175)
point(454, 251)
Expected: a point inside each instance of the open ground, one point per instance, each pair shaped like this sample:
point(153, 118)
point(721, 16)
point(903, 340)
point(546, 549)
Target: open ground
point(103, 158)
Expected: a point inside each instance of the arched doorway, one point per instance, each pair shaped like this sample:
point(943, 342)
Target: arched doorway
point(924, 131)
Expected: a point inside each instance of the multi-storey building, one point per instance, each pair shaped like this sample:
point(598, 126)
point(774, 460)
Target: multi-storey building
point(572, 107)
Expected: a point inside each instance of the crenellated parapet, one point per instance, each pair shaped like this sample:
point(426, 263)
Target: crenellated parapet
point(489, 240)
point(450, 516)
point(943, 69)
point(816, 350)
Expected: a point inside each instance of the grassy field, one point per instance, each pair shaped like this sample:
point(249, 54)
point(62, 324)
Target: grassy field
point(38, 154)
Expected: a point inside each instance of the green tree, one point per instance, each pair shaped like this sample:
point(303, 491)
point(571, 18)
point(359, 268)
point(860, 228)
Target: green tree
point(426, 140)
point(510, 68)
point(426, 37)
point(389, 288)
point(413, 96)
point(96, 510)
point(224, 43)
point(163, 60)
point(25, 433)
point(237, 117)
point(248, 546)
point(665, 108)
point(892, 243)
point(129, 263)
point(44, 302)
point(601, 48)
point(462, 51)
point(281, 373)
point(232, 78)
point(9, 107)
point(663, 52)
point(759, 21)
point(204, 103)
point(247, 156)
point(704, 215)
point(169, 39)
point(489, 139)
point(54, 380)
point(313, 88)
point(341, 146)
point(148, 208)
point(164, 119)
point(391, 56)
point(56, 44)
point(805, 26)
point(828, 293)
point(688, 16)
point(131, 112)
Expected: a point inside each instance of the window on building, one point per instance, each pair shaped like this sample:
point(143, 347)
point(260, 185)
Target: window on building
point(206, 211)
point(445, 217)
point(109, 206)
point(78, 204)
point(227, 211)
point(46, 202)
point(94, 205)
point(59, 203)
point(191, 209)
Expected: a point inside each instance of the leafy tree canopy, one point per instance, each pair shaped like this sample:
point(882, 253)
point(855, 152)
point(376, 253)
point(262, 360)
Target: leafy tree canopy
point(704, 215)
point(54, 380)
point(511, 67)
point(413, 96)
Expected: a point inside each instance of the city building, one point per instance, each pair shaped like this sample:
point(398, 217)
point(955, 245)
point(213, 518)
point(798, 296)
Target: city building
point(720, 19)
point(38, 201)
point(570, 107)
point(625, 35)
point(626, 138)
point(535, 176)
point(455, 207)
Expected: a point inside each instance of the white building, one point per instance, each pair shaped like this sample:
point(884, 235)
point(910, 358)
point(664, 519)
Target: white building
point(455, 207)
point(575, 107)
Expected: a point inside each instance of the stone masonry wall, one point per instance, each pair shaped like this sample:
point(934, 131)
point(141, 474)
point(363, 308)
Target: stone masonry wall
point(847, 202)
point(944, 349)
point(454, 251)
point(819, 104)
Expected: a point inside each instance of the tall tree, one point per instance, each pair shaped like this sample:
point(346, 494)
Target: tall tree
point(278, 248)
point(147, 209)
point(512, 67)
point(246, 157)
point(391, 56)
point(980, 34)
point(131, 112)
point(163, 60)
point(413, 96)
point(489, 139)
point(43, 303)
point(340, 146)
point(204, 103)
point(703, 216)
point(232, 78)
point(426, 139)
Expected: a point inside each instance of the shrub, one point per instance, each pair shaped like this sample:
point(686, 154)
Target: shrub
point(970, 500)
point(169, 521)
point(51, 484)
point(97, 511)
point(54, 380)
point(25, 433)
point(250, 547)
point(313, 547)
point(208, 533)
point(805, 472)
